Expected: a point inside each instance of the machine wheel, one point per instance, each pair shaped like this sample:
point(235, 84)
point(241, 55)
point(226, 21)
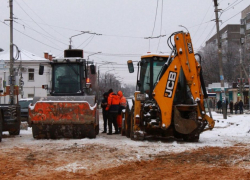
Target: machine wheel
point(191, 137)
point(97, 129)
point(128, 125)
point(177, 135)
point(35, 132)
point(92, 132)
point(15, 132)
point(132, 124)
point(1, 126)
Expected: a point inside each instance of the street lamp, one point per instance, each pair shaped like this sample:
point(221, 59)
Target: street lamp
point(82, 32)
point(70, 39)
point(93, 54)
point(99, 69)
point(109, 78)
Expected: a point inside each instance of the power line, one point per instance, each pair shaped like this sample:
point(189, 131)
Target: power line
point(41, 18)
point(110, 35)
point(207, 36)
point(203, 32)
point(32, 37)
point(110, 54)
point(41, 33)
point(85, 41)
point(154, 23)
point(89, 41)
point(221, 23)
point(61, 54)
point(161, 26)
point(199, 24)
point(231, 17)
point(232, 5)
point(203, 18)
point(33, 20)
point(209, 33)
point(51, 25)
point(124, 36)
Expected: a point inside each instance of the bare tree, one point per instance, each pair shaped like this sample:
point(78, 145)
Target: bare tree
point(230, 54)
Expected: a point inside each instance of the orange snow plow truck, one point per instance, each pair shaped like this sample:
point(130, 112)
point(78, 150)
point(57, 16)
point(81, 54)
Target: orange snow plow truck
point(69, 111)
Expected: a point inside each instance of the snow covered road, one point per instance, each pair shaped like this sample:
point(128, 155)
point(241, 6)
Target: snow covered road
point(93, 155)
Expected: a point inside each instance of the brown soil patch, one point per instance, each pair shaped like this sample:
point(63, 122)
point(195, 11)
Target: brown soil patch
point(84, 162)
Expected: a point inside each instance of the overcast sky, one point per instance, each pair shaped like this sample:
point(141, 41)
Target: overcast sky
point(47, 25)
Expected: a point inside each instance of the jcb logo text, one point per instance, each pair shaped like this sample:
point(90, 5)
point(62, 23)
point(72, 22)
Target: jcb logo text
point(170, 84)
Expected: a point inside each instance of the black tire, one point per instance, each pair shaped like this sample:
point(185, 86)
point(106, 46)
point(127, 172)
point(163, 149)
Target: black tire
point(1, 126)
point(132, 124)
point(15, 132)
point(177, 135)
point(128, 128)
point(191, 137)
point(123, 132)
point(97, 129)
point(91, 132)
point(35, 132)
point(16, 111)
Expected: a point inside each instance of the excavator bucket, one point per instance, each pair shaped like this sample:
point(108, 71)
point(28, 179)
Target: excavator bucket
point(68, 116)
point(185, 125)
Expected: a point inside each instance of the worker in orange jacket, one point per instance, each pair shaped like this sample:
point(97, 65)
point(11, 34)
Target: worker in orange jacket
point(113, 108)
point(123, 104)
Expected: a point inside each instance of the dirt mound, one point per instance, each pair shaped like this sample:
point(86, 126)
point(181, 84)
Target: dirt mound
point(86, 161)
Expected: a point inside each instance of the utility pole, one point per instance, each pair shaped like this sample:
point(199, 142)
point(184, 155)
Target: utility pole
point(241, 84)
point(249, 89)
point(224, 108)
point(12, 77)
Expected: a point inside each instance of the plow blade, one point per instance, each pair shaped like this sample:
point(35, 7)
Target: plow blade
point(69, 116)
point(57, 131)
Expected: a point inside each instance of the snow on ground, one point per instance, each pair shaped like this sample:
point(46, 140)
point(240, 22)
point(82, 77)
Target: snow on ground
point(227, 132)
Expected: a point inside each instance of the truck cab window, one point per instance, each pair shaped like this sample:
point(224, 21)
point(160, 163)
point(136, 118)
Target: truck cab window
point(67, 79)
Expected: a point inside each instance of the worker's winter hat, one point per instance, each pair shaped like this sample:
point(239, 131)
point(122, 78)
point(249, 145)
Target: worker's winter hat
point(110, 91)
point(120, 93)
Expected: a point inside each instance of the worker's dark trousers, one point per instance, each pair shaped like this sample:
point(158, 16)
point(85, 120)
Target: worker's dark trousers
point(105, 119)
point(112, 119)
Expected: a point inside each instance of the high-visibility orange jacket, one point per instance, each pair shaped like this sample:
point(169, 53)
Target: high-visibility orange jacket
point(113, 103)
point(123, 101)
point(123, 104)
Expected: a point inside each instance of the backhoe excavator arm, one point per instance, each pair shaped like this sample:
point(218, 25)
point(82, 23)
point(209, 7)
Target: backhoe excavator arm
point(167, 85)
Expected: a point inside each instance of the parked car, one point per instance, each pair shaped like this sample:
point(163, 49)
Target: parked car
point(24, 103)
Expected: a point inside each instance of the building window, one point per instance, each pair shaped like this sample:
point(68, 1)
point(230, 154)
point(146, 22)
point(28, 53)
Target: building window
point(242, 31)
point(31, 74)
point(30, 95)
point(224, 35)
point(248, 26)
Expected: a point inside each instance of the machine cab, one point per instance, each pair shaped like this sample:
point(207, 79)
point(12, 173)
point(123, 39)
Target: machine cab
point(69, 74)
point(148, 71)
point(68, 77)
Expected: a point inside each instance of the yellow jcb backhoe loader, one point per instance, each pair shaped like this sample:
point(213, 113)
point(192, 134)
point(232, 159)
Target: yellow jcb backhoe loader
point(170, 95)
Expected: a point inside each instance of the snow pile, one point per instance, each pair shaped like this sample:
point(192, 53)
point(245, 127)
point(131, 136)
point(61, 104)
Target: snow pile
point(234, 129)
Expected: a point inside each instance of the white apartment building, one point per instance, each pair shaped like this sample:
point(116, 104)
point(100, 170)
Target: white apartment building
point(26, 66)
